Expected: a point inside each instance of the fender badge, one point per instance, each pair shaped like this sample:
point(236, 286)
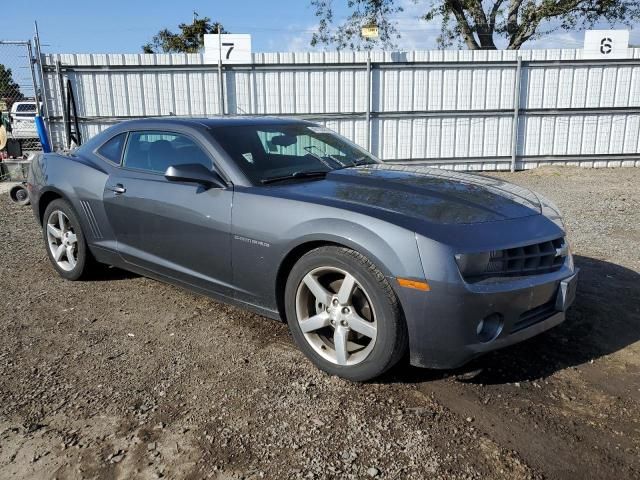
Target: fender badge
point(259, 243)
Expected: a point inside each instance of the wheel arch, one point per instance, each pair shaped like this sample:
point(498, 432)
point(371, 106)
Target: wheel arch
point(287, 263)
point(45, 199)
point(305, 245)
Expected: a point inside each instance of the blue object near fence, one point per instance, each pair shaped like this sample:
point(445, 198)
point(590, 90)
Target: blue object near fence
point(42, 133)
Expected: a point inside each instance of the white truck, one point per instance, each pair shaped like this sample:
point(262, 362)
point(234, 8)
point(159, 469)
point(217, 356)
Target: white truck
point(22, 118)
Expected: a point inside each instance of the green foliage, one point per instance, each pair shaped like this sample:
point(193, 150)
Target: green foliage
point(189, 40)
point(474, 23)
point(9, 89)
point(363, 13)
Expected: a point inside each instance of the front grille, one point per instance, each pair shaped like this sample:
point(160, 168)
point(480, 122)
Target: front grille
point(535, 315)
point(532, 259)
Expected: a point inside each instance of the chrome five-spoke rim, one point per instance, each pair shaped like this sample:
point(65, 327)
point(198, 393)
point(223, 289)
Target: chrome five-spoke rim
point(62, 240)
point(336, 316)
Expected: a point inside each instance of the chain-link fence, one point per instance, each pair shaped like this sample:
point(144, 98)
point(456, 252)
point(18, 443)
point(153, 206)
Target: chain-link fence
point(18, 108)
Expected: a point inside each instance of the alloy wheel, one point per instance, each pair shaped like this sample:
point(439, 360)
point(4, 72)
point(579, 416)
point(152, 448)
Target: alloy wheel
point(336, 316)
point(62, 240)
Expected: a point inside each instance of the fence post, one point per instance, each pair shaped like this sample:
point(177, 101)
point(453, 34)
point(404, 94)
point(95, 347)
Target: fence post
point(33, 78)
point(516, 114)
point(220, 81)
point(65, 120)
point(43, 87)
point(368, 113)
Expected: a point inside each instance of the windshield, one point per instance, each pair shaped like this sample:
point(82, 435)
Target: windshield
point(266, 152)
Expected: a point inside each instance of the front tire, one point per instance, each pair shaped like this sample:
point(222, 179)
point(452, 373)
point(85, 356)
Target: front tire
point(65, 241)
point(343, 314)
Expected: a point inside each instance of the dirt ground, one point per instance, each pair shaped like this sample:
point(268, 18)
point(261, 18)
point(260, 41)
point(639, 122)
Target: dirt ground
point(124, 377)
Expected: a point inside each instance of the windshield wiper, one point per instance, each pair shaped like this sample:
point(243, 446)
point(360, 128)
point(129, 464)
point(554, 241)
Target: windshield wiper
point(363, 160)
point(300, 174)
point(318, 157)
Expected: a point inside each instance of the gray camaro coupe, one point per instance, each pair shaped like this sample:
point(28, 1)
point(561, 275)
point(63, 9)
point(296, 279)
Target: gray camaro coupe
point(366, 261)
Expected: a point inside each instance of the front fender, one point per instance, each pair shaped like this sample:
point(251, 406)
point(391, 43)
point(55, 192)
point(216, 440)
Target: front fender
point(267, 229)
point(395, 253)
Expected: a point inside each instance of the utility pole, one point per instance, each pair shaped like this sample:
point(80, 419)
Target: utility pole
point(370, 32)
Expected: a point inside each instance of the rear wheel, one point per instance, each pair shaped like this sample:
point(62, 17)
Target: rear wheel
point(65, 241)
point(343, 314)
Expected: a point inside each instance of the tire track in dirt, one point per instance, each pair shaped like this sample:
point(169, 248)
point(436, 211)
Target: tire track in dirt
point(558, 445)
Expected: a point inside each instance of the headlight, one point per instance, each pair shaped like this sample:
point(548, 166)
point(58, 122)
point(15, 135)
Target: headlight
point(569, 260)
point(472, 264)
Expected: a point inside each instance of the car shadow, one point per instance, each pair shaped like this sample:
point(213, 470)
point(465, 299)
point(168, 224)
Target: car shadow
point(107, 273)
point(604, 319)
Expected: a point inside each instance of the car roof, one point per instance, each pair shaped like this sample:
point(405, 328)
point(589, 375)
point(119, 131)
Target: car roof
point(214, 122)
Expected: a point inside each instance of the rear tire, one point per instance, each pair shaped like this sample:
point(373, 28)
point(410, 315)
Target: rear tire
point(65, 241)
point(344, 315)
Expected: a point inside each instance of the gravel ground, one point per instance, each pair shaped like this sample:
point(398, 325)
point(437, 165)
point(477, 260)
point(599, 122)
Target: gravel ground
point(125, 377)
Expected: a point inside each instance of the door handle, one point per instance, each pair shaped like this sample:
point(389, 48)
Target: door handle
point(118, 188)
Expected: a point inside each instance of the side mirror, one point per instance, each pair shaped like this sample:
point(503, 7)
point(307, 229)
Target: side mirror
point(194, 172)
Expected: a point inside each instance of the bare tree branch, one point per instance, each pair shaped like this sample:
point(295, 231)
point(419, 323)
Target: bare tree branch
point(463, 23)
point(494, 13)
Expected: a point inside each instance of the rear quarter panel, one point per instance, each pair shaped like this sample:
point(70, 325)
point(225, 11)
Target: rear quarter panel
point(79, 181)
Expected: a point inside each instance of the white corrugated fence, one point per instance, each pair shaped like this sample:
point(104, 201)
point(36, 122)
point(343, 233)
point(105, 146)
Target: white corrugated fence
point(458, 109)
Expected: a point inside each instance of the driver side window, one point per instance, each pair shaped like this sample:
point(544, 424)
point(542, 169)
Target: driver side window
point(155, 151)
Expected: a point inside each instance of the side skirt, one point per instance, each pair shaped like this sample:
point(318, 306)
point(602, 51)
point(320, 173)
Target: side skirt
point(111, 258)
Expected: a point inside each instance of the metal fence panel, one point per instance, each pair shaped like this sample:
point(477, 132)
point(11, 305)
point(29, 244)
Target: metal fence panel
point(445, 107)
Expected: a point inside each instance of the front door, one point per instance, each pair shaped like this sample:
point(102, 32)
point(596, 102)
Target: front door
point(177, 229)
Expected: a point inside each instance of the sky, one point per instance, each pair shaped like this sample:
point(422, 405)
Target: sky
point(122, 26)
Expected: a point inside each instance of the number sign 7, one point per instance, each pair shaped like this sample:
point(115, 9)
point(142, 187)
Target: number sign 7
point(230, 45)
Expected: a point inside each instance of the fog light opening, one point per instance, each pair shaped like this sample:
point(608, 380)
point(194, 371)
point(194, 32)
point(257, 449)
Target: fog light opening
point(489, 327)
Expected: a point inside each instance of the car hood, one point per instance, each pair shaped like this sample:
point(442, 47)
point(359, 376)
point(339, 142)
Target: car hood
point(428, 194)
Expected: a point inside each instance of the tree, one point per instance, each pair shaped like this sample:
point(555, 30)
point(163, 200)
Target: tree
point(478, 24)
point(363, 13)
point(189, 40)
point(9, 89)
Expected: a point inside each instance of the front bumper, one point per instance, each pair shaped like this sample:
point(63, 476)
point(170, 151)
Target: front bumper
point(444, 323)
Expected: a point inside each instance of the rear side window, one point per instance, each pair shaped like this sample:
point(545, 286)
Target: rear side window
point(23, 111)
point(156, 151)
point(112, 150)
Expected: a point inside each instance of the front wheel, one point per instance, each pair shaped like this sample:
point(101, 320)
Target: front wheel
point(65, 242)
point(343, 314)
